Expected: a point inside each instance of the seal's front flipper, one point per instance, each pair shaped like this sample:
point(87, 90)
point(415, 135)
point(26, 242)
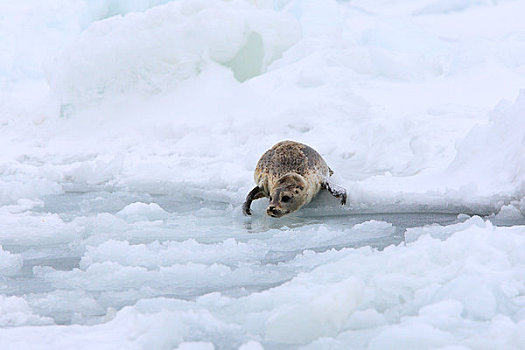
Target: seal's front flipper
point(254, 194)
point(336, 191)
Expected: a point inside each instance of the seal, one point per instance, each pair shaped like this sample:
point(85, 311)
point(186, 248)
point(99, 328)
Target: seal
point(290, 174)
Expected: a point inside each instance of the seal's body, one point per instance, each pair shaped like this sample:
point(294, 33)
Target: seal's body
point(290, 174)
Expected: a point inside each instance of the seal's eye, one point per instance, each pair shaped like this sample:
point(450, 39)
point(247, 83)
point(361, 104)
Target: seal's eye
point(285, 199)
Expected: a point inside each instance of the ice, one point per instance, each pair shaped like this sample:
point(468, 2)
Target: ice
point(196, 346)
point(172, 42)
point(130, 130)
point(448, 295)
point(15, 311)
point(321, 312)
point(109, 8)
point(447, 6)
point(142, 211)
point(400, 50)
point(10, 264)
point(251, 345)
point(508, 213)
point(438, 231)
point(500, 142)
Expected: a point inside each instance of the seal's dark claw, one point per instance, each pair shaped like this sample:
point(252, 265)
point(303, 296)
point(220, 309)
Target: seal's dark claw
point(337, 192)
point(343, 199)
point(246, 208)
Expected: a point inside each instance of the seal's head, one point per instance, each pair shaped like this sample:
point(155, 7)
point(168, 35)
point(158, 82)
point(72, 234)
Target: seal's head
point(287, 195)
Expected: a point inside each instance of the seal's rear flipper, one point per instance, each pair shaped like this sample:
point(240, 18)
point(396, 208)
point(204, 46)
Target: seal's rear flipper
point(336, 191)
point(254, 194)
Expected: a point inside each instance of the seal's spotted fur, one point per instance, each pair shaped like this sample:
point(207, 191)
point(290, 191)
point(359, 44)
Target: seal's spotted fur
point(290, 174)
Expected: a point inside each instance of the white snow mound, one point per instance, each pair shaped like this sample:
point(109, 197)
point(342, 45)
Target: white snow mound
point(151, 51)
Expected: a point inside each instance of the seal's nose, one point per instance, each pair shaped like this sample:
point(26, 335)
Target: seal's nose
point(273, 211)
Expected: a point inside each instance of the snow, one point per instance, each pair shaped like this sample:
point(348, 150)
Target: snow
point(15, 311)
point(130, 130)
point(172, 43)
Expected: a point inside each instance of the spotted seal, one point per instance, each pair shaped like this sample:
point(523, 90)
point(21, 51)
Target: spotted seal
point(291, 174)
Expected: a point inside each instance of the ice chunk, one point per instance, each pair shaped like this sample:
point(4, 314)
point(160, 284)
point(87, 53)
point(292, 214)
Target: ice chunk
point(157, 254)
point(32, 229)
point(248, 62)
point(444, 315)
point(411, 337)
point(508, 213)
point(443, 232)
point(363, 319)
point(195, 346)
point(317, 311)
point(400, 36)
point(141, 211)
point(495, 150)
point(74, 306)
point(108, 8)
point(322, 236)
point(152, 51)
point(477, 298)
point(10, 263)
point(447, 6)
point(14, 311)
point(251, 345)
point(404, 51)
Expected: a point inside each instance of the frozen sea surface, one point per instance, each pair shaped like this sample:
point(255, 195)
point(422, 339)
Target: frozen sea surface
point(130, 130)
point(324, 277)
point(108, 250)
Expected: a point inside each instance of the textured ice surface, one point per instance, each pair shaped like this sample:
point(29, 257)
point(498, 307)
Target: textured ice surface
point(171, 43)
point(130, 130)
point(220, 278)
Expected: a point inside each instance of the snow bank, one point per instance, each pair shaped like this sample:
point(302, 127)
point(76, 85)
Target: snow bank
point(34, 31)
point(486, 173)
point(170, 43)
point(491, 157)
point(171, 119)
